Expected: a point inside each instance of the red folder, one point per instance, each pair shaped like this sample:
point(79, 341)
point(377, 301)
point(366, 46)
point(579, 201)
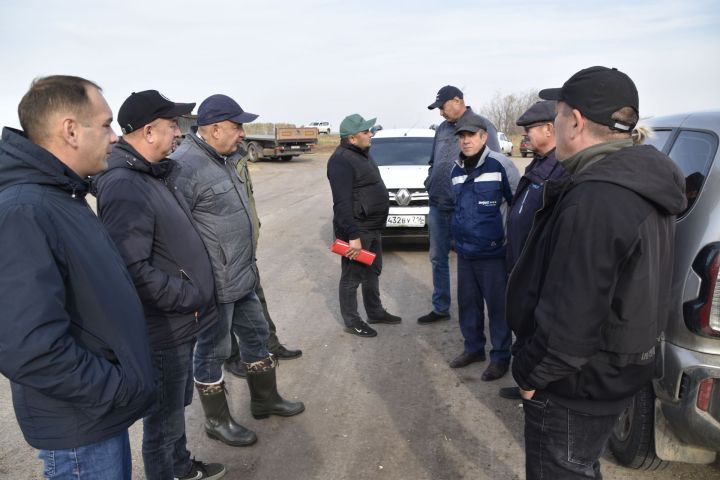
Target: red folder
point(341, 248)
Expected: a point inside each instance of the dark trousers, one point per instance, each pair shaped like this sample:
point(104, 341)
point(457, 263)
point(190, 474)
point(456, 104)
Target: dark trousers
point(561, 443)
point(273, 341)
point(164, 444)
point(354, 274)
point(478, 280)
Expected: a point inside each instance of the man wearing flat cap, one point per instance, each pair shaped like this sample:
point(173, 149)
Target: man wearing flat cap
point(151, 225)
point(591, 291)
point(482, 191)
point(451, 105)
point(537, 122)
point(219, 205)
point(360, 207)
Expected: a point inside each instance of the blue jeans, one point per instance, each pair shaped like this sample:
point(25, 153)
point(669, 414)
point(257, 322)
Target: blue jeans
point(561, 443)
point(440, 238)
point(105, 460)
point(245, 318)
point(478, 280)
point(164, 444)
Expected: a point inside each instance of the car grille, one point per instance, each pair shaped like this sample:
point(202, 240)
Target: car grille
point(405, 197)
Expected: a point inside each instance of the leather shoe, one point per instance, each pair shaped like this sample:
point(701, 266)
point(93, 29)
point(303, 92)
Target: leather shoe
point(465, 359)
point(361, 329)
point(236, 366)
point(386, 318)
point(285, 353)
point(511, 393)
point(494, 371)
point(433, 317)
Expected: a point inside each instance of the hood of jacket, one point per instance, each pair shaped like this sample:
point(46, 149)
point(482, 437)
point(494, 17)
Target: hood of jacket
point(24, 162)
point(644, 170)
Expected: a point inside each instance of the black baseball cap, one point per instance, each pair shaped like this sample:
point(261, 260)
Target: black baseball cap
point(218, 108)
point(598, 92)
point(542, 111)
point(470, 122)
point(141, 108)
point(448, 92)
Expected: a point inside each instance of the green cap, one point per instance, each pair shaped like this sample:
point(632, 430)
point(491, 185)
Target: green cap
point(354, 123)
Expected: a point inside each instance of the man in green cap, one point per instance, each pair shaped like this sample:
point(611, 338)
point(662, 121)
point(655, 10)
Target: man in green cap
point(360, 206)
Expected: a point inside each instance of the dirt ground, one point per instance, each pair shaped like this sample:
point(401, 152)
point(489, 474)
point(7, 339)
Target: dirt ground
point(382, 408)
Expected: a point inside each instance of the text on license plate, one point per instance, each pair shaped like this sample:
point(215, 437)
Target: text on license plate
point(405, 221)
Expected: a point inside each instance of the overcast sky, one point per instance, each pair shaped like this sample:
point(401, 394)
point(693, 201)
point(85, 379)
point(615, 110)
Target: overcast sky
point(304, 60)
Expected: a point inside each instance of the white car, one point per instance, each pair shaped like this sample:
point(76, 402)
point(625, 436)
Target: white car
point(323, 127)
point(402, 156)
point(506, 145)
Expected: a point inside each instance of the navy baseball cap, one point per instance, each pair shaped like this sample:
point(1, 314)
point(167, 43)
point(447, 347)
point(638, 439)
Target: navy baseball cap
point(141, 108)
point(218, 108)
point(542, 111)
point(448, 92)
point(598, 92)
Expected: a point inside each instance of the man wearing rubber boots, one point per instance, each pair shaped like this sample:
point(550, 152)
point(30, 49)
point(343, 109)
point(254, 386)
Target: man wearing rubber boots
point(219, 204)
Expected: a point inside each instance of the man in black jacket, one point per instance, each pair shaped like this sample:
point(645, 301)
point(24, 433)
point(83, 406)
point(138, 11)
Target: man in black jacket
point(591, 291)
point(152, 227)
point(537, 121)
point(74, 341)
point(360, 206)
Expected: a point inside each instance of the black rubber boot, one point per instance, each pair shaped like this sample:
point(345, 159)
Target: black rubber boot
point(219, 423)
point(265, 399)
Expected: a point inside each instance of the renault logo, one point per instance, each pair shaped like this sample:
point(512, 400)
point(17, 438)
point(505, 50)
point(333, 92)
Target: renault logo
point(402, 197)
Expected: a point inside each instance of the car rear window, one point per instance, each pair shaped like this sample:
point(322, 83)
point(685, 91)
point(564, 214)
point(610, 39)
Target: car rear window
point(692, 151)
point(401, 151)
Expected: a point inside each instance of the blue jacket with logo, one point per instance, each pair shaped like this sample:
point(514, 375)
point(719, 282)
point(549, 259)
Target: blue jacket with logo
point(445, 151)
point(481, 200)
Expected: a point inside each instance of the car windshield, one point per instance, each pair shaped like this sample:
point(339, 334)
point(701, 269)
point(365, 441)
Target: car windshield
point(401, 151)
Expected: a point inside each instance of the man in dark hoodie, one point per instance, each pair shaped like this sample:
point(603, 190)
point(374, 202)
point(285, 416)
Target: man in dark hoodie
point(591, 291)
point(360, 207)
point(74, 341)
point(152, 227)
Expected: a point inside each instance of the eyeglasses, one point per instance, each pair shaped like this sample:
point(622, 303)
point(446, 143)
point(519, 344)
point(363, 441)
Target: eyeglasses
point(527, 129)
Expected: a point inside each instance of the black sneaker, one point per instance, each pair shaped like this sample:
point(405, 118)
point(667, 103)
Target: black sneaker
point(433, 317)
point(207, 471)
point(284, 353)
point(511, 393)
point(361, 329)
point(386, 318)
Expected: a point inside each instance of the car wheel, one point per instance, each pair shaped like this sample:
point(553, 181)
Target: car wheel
point(524, 154)
point(632, 441)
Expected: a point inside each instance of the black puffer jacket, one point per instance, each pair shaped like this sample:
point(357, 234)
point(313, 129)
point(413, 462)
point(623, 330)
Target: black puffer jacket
point(73, 340)
point(152, 226)
point(592, 290)
point(360, 199)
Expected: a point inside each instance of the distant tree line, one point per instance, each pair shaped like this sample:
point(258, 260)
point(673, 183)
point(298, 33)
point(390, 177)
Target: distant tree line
point(504, 110)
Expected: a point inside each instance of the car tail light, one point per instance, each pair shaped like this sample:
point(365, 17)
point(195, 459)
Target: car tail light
point(703, 315)
point(705, 391)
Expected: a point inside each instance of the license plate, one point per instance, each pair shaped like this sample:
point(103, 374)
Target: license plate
point(405, 221)
point(295, 147)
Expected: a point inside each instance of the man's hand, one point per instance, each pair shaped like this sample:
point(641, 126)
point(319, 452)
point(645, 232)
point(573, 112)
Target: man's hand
point(354, 249)
point(527, 394)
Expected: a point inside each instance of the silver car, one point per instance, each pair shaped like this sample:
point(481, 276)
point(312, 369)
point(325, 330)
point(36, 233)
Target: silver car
point(677, 418)
point(402, 156)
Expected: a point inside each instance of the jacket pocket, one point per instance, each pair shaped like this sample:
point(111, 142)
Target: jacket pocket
point(225, 198)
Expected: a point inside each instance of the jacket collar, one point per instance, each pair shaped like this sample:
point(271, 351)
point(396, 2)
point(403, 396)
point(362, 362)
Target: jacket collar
point(125, 156)
point(34, 164)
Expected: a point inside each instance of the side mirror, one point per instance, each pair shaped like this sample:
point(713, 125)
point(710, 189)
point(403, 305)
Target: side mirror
point(375, 129)
point(433, 127)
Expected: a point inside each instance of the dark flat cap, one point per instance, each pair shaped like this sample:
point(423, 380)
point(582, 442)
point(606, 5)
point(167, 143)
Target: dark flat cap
point(542, 111)
point(470, 122)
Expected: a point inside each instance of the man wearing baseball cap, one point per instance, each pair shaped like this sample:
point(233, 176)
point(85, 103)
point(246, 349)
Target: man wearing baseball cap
point(219, 205)
point(151, 225)
point(451, 104)
point(360, 207)
point(591, 291)
point(482, 192)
